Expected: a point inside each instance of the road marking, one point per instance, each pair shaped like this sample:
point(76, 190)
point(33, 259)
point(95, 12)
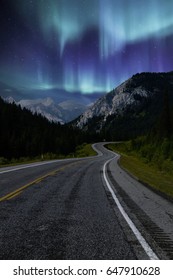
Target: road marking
point(38, 180)
point(16, 192)
point(33, 165)
point(50, 162)
point(137, 233)
point(14, 195)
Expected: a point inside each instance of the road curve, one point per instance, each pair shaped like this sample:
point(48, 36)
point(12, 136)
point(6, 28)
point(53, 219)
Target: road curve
point(81, 209)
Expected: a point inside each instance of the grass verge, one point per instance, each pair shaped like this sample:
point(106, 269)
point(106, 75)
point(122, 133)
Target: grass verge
point(85, 150)
point(158, 180)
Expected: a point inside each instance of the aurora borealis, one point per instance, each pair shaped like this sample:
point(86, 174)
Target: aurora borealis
point(85, 46)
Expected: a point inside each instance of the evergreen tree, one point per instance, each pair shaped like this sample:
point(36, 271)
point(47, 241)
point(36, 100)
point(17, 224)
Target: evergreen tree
point(23, 134)
point(164, 126)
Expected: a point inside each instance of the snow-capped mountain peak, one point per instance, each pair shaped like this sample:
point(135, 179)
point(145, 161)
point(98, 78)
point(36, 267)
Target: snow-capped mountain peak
point(10, 100)
point(63, 112)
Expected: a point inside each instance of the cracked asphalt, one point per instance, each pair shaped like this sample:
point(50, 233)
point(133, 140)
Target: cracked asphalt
point(63, 210)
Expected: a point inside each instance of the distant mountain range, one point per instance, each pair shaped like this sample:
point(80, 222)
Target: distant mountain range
point(63, 112)
point(55, 104)
point(131, 109)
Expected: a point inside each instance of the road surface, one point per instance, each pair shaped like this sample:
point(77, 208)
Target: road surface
point(81, 209)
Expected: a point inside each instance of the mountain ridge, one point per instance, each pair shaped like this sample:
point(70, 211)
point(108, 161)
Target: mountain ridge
point(63, 112)
point(139, 97)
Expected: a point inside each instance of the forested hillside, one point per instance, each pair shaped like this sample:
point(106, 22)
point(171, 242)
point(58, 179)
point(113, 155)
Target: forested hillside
point(150, 157)
point(23, 134)
point(156, 146)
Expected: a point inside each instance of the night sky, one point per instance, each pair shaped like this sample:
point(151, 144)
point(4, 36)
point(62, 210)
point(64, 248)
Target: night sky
point(84, 46)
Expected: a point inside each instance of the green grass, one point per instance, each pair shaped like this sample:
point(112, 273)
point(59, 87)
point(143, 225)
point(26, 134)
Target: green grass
point(145, 172)
point(13, 162)
point(85, 150)
point(25, 161)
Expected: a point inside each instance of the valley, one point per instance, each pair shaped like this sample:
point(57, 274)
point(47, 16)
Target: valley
point(74, 192)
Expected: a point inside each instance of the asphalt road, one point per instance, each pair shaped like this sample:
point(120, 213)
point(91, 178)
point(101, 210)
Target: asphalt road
point(81, 209)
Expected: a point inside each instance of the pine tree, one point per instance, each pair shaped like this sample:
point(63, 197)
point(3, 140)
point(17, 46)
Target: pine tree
point(164, 126)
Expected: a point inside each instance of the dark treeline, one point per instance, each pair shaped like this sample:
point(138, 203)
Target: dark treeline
point(23, 134)
point(157, 145)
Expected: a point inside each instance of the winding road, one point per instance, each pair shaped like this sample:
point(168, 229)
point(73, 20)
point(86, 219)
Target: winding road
point(86, 208)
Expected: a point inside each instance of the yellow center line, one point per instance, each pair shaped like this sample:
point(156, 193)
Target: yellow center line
point(38, 180)
point(14, 195)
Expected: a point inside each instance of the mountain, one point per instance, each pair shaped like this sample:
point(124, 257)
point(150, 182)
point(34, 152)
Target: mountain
point(63, 112)
point(34, 100)
point(71, 109)
point(130, 109)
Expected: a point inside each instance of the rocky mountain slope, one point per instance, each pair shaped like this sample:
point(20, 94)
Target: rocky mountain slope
point(133, 106)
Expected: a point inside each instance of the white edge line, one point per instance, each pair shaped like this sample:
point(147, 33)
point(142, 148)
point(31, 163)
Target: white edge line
point(49, 162)
point(31, 165)
point(136, 232)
